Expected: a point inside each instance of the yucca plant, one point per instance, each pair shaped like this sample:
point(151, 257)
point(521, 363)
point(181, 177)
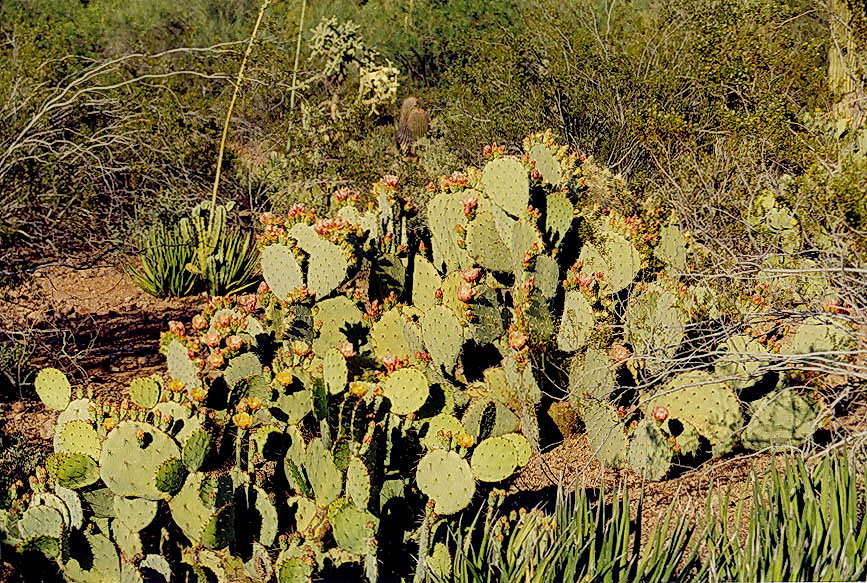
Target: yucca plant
point(803, 525)
point(579, 541)
point(189, 257)
point(165, 252)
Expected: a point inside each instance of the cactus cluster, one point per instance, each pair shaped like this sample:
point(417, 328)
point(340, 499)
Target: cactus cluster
point(387, 375)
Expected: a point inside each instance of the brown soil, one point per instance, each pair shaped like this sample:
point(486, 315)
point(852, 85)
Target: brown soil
point(94, 324)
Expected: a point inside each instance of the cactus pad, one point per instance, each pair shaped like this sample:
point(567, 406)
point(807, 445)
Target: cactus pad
point(446, 478)
point(135, 513)
point(710, 406)
point(75, 470)
point(79, 437)
point(145, 392)
point(649, 453)
point(181, 367)
point(671, 249)
point(425, 282)
point(132, 454)
point(407, 389)
point(485, 244)
point(281, 270)
point(781, 418)
point(577, 322)
point(443, 336)
point(354, 529)
point(494, 459)
point(442, 432)
point(605, 432)
point(53, 388)
point(505, 181)
point(325, 478)
point(334, 371)
point(546, 164)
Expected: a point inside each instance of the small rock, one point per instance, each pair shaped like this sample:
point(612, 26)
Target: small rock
point(46, 431)
point(18, 406)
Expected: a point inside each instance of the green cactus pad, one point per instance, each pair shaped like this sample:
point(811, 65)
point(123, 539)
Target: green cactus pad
point(605, 431)
point(53, 388)
point(591, 376)
point(188, 510)
point(485, 418)
point(577, 322)
point(79, 437)
point(292, 569)
point(183, 422)
point(522, 447)
point(649, 453)
point(740, 362)
point(332, 318)
point(280, 269)
point(195, 449)
point(687, 439)
point(395, 335)
point(671, 249)
point(219, 531)
point(523, 382)
point(181, 367)
point(710, 406)
point(781, 418)
point(334, 371)
point(655, 326)
point(524, 237)
point(358, 482)
point(129, 465)
point(425, 282)
point(157, 563)
point(442, 432)
point(613, 255)
point(558, 217)
point(77, 410)
point(546, 274)
point(407, 389)
point(500, 389)
point(446, 478)
point(267, 518)
point(128, 541)
point(98, 563)
point(819, 334)
point(326, 268)
point(485, 245)
point(546, 163)
point(505, 181)
point(444, 213)
point(145, 392)
point(325, 478)
point(170, 476)
point(353, 529)
point(39, 521)
point(75, 470)
point(242, 367)
point(135, 513)
point(440, 562)
point(444, 336)
point(74, 511)
point(494, 459)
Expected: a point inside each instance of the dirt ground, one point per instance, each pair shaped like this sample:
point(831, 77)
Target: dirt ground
point(103, 331)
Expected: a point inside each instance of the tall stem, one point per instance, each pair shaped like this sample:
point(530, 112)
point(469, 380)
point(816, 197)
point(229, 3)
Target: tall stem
point(297, 56)
point(235, 94)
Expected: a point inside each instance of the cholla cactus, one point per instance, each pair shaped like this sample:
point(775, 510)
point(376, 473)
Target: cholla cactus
point(377, 86)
